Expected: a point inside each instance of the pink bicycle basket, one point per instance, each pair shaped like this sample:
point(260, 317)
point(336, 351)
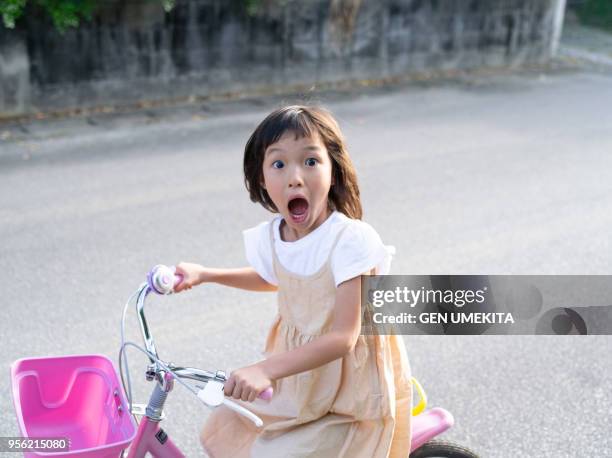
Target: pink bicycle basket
point(76, 397)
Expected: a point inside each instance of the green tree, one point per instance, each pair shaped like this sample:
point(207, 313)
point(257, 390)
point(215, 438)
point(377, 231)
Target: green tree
point(597, 13)
point(64, 13)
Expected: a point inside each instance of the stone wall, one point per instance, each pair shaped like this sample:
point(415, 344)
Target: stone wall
point(134, 51)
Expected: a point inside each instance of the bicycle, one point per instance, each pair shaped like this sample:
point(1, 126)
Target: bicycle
point(80, 398)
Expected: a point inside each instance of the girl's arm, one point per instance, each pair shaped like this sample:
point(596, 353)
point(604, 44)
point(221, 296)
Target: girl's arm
point(248, 382)
point(244, 278)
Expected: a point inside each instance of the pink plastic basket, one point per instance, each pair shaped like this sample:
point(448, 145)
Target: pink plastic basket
point(76, 397)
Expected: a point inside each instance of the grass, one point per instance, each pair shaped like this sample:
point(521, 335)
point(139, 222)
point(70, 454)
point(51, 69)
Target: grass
point(596, 13)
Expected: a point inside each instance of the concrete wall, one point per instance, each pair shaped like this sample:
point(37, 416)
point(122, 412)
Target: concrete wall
point(134, 51)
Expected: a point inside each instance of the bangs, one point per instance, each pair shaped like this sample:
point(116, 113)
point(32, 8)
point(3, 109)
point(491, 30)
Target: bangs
point(291, 119)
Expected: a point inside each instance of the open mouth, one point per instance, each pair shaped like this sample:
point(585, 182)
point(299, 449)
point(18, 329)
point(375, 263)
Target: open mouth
point(298, 209)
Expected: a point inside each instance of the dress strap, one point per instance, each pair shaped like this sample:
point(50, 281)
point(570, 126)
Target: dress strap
point(274, 258)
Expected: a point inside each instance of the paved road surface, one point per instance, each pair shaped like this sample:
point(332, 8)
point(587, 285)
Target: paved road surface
point(499, 174)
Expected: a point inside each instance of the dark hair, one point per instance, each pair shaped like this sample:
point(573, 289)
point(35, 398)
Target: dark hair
point(304, 121)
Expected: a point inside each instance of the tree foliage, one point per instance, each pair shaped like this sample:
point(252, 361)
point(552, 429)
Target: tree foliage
point(597, 13)
point(64, 13)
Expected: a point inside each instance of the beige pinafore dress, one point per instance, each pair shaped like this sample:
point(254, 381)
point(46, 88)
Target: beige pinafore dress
point(356, 406)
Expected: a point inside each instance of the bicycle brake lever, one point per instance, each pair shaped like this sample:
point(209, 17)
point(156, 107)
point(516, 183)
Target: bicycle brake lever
point(212, 395)
point(244, 412)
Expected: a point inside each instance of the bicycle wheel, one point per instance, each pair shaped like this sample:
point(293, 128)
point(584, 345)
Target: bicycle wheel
point(442, 449)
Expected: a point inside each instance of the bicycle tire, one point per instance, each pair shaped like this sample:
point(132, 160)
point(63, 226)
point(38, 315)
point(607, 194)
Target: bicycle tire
point(442, 449)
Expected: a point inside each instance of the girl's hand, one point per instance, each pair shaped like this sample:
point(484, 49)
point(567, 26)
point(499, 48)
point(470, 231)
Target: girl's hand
point(192, 275)
point(247, 383)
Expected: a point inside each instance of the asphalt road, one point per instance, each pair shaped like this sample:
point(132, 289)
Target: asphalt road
point(491, 174)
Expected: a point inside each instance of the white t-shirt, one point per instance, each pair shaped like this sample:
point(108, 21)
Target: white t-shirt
point(358, 250)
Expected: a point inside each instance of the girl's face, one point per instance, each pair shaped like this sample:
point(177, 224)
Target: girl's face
point(297, 174)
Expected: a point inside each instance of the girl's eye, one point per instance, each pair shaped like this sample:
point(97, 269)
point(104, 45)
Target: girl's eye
point(278, 164)
point(311, 162)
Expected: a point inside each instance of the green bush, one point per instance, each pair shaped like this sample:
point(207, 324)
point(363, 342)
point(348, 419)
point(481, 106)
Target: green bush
point(64, 13)
point(70, 13)
point(597, 13)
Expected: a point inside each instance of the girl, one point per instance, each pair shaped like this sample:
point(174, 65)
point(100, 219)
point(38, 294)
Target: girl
point(336, 393)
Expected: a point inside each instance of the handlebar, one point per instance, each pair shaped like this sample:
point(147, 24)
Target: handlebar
point(162, 280)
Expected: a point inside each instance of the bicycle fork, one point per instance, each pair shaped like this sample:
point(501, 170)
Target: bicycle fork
point(151, 438)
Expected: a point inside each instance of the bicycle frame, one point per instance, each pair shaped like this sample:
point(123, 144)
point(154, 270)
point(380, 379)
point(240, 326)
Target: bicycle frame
point(150, 437)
